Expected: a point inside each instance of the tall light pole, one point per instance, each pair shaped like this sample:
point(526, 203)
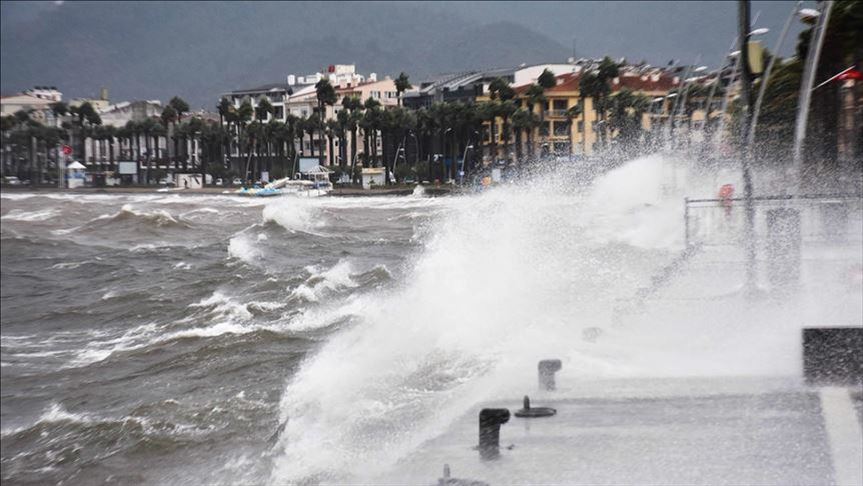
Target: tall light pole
point(727, 96)
point(677, 99)
point(766, 77)
point(745, 33)
point(809, 70)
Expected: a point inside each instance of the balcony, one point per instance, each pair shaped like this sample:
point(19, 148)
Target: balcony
point(555, 113)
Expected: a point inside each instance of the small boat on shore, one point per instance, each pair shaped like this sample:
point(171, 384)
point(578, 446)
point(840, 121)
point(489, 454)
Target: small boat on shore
point(259, 192)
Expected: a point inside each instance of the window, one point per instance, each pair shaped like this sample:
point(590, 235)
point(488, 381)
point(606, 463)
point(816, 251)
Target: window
point(580, 127)
point(543, 128)
point(559, 105)
point(561, 128)
point(278, 112)
point(561, 148)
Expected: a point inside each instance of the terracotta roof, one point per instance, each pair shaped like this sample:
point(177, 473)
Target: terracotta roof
point(645, 82)
point(565, 82)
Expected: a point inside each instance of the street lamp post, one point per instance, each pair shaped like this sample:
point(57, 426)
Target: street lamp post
point(449, 129)
point(463, 161)
point(809, 69)
point(766, 77)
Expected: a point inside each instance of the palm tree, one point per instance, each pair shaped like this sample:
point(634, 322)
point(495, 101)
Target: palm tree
point(326, 95)
point(372, 119)
point(109, 134)
point(519, 125)
point(148, 129)
point(505, 110)
point(253, 134)
point(241, 116)
point(571, 114)
point(546, 79)
point(354, 106)
point(600, 90)
point(292, 127)
point(223, 108)
point(536, 98)
point(626, 112)
point(343, 123)
point(310, 125)
point(169, 120)
point(402, 85)
point(331, 129)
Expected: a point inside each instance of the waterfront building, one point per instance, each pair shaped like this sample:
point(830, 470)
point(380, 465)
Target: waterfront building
point(36, 101)
point(556, 131)
point(100, 103)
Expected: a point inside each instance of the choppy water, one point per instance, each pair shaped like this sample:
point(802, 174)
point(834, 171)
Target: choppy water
point(216, 340)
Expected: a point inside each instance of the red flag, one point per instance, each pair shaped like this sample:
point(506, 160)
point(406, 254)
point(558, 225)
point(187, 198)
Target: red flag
point(850, 74)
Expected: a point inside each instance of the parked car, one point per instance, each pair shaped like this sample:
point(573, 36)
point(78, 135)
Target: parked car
point(237, 181)
point(219, 182)
point(12, 180)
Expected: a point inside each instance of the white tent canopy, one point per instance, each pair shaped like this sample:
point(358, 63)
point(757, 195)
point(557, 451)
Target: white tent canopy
point(76, 166)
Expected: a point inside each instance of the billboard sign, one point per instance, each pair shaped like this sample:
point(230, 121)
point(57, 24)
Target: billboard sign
point(308, 163)
point(127, 168)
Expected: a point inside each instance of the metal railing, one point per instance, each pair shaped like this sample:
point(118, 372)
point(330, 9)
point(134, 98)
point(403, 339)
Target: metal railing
point(823, 217)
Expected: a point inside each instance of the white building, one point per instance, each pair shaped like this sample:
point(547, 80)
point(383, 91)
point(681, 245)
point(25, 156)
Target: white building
point(49, 93)
point(38, 108)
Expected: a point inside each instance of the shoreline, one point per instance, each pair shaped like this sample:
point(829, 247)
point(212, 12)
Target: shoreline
point(337, 192)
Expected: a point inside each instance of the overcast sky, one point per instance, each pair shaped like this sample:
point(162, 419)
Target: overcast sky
point(199, 50)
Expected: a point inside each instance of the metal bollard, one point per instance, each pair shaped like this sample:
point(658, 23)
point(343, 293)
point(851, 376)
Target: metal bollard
point(490, 420)
point(547, 369)
point(533, 412)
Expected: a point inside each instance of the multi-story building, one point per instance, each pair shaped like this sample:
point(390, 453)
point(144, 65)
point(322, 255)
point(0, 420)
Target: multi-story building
point(297, 96)
point(36, 102)
point(556, 132)
point(117, 116)
point(100, 103)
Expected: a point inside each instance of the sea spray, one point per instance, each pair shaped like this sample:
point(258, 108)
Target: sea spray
point(507, 276)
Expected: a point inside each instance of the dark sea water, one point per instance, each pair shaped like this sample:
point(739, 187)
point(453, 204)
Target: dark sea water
point(209, 339)
point(148, 338)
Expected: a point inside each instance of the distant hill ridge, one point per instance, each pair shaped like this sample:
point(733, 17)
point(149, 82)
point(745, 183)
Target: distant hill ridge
point(200, 50)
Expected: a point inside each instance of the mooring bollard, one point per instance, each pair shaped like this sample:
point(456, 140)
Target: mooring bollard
point(490, 420)
point(532, 412)
point(448, 480)
point(547, 369)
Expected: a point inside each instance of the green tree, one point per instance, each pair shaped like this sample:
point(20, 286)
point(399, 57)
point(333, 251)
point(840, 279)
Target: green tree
point(402, 84)
point(326, 96)
point(546, 80)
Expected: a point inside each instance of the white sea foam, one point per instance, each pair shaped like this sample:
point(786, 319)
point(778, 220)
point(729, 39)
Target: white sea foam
point(322, 282)
point(509, 277)
point(224, 306)
point(69, 265)
point(30, 216)
point(293, 214)
point(243, 248)
point(53, 414)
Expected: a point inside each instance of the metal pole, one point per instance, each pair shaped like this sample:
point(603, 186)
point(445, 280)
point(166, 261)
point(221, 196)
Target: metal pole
point(809, 70)
point(683, 86)
point(686, 222)
point(746, 93)
point(727, 95)
point(766, 77)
